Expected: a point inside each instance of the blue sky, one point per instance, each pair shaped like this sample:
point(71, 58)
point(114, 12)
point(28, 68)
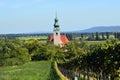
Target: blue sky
point(24, 16)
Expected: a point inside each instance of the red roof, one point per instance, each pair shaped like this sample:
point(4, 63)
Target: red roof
point(63, 38)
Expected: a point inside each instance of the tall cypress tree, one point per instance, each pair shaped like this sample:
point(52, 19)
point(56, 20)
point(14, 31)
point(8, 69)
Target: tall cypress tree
point(81, 35)
point(97, 36)
point(107, 35)
point(115, 35)
point(103, 37)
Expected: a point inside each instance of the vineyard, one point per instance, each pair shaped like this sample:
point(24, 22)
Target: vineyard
point(102, 60)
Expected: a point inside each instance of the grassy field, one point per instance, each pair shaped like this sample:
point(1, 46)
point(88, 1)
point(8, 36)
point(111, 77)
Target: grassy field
point(33, 37)
point(95, 42)
point(42, 39)
point(30, 71)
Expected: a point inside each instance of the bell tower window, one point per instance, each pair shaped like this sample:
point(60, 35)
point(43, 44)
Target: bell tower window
point(56, 33)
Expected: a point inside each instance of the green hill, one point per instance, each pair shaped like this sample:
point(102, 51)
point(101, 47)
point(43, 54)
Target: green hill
point(102, 29)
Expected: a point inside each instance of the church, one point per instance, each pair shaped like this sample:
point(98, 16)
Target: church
point(57, 38)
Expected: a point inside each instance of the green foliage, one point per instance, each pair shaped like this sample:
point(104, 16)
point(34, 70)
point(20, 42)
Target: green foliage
point(96, 57)
point(12, 52)
point(107, 35)
point(69, 36)
point(39, 51)
point(101, 59)
point(97, 36)
point(112, 41)
point(68, 52)
point(55, 74)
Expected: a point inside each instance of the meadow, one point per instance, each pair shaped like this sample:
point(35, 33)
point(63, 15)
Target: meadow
point(94, 42)
point(38, 70)
point(33, 37)
point(42, 39)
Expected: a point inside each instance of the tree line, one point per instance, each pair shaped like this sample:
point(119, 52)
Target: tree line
point(70, 35)
point(97, 36)
point(17, 52)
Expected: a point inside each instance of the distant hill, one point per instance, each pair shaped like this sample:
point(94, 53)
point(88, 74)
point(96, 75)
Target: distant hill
point(102, 29)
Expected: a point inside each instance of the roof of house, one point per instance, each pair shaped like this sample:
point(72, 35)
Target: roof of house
point(63, 38)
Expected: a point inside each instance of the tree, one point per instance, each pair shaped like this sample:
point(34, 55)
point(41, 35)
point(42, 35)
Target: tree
point(40, 51)
point(118, 35)
point(112, 41)
point(13, 53)
point(82, 35)
point(100, 59)
point(97, 36)
point(103, 60)
point(103, 37)
point(107, 35)
point(93, 36)
point(115, 35)
point(69, 36)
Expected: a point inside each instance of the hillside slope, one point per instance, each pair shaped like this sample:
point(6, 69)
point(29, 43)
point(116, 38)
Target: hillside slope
point(102, 29)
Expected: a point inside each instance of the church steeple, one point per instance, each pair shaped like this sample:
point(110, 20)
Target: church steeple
point(57, 38)
point(56, 32)
point(56, 25)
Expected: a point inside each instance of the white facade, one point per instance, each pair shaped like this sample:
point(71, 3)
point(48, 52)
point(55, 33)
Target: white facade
point(56, 32)
point(56, 35)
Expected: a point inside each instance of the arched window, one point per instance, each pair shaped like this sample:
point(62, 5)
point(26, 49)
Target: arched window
point(56, 33)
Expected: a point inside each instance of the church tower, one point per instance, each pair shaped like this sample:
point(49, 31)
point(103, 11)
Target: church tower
point(57, 38)
point(56, 32)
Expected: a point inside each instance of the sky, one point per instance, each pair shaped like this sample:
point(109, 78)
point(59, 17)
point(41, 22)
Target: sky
point(26, 16)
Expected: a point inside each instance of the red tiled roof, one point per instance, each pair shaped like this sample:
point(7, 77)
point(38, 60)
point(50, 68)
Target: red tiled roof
point(63, 38)
point(51, 38)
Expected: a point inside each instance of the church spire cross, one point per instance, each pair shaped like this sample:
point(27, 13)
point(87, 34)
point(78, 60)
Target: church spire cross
point(56, 14)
